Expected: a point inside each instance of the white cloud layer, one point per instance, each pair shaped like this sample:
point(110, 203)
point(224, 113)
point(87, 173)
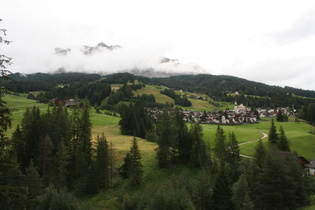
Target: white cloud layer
point(267, 41)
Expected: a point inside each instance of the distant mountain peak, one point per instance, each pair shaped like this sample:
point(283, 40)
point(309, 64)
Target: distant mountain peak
point(102, 44)
point(88, 50)
point(168, 60)
point(61, 51)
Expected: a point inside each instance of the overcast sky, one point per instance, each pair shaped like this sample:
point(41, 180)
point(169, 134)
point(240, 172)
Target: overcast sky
point(266, 41)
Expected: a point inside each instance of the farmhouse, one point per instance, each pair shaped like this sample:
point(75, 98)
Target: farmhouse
point(70, 103)
point(311, 168)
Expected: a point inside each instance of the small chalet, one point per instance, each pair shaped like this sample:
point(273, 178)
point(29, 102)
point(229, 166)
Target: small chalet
point(57, 101)
point(311, 168)
point(70, 103)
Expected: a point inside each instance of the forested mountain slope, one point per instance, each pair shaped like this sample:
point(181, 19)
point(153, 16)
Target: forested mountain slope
point(217, 87)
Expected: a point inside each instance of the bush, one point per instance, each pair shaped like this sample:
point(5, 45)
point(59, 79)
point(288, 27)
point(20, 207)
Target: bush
point(53, 200)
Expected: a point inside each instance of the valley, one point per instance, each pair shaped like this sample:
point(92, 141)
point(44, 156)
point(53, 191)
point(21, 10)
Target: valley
point(299, 135)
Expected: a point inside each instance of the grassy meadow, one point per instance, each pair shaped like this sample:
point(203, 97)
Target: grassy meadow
point(19, 104)
point(159, 98)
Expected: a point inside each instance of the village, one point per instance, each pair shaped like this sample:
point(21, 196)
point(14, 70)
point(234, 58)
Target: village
point(239, 115)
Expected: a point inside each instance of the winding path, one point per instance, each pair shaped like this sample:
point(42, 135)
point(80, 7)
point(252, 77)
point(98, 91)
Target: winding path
point(263, 137)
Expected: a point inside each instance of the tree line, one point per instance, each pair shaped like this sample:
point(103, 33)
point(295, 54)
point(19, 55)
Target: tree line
point(308, 113)
point(179, 100)
point(51, 154)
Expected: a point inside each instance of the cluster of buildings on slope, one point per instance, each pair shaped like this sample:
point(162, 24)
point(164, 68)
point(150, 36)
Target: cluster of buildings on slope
point(68, 103)
point(239, 115)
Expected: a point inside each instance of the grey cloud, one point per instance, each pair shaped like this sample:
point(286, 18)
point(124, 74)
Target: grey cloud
point(295, 72)
point(301, 29)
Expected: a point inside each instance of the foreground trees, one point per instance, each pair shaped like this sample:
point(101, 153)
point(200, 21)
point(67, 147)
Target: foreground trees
point(59, 145)
point(280, 139)
point(177, 143)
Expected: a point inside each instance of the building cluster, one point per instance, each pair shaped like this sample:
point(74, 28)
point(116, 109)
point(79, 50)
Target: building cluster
point(274, 112)
point(239, 115)
point(68, 103)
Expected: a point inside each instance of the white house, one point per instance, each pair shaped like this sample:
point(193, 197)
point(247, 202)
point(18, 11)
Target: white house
point(311, 168)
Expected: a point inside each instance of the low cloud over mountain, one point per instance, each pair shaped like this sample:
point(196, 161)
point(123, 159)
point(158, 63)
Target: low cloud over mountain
point(106, 59)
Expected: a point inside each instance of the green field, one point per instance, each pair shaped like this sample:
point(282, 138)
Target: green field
point(197, 105)
point(300, 140)
point(19, 104)
point(159, 98)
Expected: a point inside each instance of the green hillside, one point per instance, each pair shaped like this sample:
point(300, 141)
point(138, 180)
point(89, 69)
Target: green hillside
point(298, 134)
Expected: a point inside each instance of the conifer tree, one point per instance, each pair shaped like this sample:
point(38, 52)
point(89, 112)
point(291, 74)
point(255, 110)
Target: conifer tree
point(283, 143)
point(61, 164)
point(220, 150)
point(123, 170)
point(13, 191)
point(274, 183)
point(135, 171)
point(34, 185)
point(13, 188)
point(167, 138)
point(18, 145)
point(32, 136)
point(203, 191)
point(298, 182)
point(112, 165)
point(222, 191)
point(5, 112)
point(102, 162)
point(273, 136)
point(5, 124)
point(59, 121)
point(85, 132)
point(233, 156)
point(200, 154)
point(45, 158)
point(185, 143)
point(280, 116)
point(254, 173)
point(241, 198)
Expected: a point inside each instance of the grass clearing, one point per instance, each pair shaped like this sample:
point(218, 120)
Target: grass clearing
point(116, 86)
point(242, 135)
point(300, 140)
point(159, 98)
point(19, 104)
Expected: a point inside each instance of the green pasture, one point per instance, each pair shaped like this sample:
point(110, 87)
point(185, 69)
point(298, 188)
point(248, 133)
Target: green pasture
point(242, 134)
point(201, 105)
point(19, 104)
point(197, 105)
point(159, 98)
point(298, 134)
point(116, 86)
